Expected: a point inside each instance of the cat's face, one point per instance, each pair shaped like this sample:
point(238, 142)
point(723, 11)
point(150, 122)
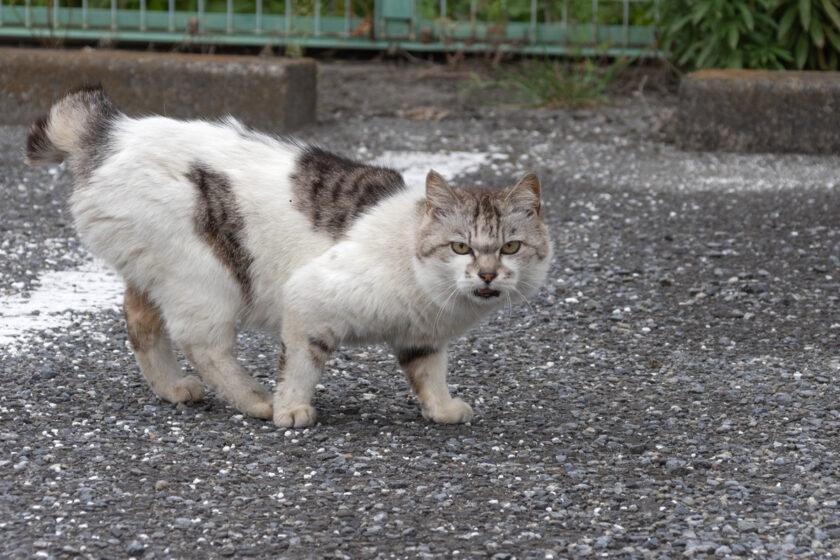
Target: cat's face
point(480, 245)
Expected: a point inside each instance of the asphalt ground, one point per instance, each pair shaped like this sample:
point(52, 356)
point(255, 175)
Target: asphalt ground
point(672, 391)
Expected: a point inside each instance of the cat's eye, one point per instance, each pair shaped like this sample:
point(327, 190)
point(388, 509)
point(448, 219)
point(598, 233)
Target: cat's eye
point(511, 247)
point(461, 248)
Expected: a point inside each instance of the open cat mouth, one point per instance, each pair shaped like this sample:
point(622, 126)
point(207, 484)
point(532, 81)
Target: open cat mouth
point(487, 293)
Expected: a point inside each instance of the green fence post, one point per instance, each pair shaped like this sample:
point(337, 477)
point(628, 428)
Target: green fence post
point(378, 22)
point(565, 13)
point(625, 17)
point(442, 20)
point(346, 18)
point(229, 11)
point(533, 31)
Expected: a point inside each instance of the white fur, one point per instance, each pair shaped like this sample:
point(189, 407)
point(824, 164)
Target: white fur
point(137, 209)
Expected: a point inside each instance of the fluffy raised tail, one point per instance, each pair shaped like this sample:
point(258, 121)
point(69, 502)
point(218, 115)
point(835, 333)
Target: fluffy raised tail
point(76, 122)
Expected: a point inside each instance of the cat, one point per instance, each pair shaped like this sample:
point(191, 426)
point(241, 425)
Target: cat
point(214, 226)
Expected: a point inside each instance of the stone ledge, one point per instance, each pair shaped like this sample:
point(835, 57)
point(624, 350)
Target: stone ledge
point(760, 111)
point(270, 94)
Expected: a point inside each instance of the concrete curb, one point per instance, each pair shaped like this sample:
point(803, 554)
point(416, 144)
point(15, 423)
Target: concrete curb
point(271, 94)
point(760, 111)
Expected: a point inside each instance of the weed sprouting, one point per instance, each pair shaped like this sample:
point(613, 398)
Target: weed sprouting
point(550, 82)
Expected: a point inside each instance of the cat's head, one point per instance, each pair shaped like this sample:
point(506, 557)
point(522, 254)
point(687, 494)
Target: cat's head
point(482, 245)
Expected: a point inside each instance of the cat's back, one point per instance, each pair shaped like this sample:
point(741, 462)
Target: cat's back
point(161, 172)
point(170, 193)
point(173, 148)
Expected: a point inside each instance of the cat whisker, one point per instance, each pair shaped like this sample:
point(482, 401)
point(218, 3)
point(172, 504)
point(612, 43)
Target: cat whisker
point(531, 307)
point(435, 286)
point(529, 285)
point(443, 308)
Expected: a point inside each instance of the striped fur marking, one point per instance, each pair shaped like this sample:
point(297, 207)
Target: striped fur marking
point(407, 355)
point(333, 191)
point(218, 222)
point(319, 349)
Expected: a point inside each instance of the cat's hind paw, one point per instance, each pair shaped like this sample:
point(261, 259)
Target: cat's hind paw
point(454, 411)
point(260, 408)
point(298, 417)
point(187, 389)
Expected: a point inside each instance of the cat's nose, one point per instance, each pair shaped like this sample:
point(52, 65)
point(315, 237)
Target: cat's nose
point(486, 276)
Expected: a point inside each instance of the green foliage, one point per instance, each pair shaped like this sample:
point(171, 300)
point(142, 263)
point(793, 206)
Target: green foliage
point(506, 11)
point(547, 82)
point(811, 31)
point(772, 34)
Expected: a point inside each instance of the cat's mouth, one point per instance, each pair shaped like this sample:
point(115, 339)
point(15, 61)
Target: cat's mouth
point(487, 293)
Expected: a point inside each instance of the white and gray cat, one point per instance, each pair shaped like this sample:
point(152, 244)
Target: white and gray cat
point(213, 225)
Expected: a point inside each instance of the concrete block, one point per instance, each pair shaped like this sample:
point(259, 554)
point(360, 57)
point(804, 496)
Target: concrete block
point(760, 111)
point(270, 94)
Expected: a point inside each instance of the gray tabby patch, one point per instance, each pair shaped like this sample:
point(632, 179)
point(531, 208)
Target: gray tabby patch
point(218, 222)
point(333, 191)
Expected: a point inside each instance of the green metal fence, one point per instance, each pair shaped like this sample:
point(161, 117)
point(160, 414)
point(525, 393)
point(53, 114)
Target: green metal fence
point(521, 26)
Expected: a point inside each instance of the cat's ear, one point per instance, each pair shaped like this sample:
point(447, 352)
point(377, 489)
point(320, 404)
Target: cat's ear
point(526, 193)
point(438, 192)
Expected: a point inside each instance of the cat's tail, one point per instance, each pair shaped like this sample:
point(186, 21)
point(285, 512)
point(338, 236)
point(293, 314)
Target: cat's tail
point(79, 116)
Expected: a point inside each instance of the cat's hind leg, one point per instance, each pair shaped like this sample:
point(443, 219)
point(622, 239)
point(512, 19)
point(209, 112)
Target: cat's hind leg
point(215, 362)
point(153, 350)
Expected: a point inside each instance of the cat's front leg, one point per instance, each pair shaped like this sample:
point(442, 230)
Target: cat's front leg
point(425, 368)
point(305, 356)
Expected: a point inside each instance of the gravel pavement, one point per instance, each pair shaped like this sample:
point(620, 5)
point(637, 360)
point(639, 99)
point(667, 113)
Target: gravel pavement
point(672, 392)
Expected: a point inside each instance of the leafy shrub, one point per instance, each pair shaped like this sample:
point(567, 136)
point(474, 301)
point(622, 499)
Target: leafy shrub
point(810, 30)
point(774, 34)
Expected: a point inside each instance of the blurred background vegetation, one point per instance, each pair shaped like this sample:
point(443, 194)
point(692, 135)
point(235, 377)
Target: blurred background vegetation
point(496, 11)
point(759, 34)
point(769, 34)
point(690, 34)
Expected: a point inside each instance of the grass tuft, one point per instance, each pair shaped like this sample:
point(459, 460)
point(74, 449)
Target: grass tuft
point(546, 82)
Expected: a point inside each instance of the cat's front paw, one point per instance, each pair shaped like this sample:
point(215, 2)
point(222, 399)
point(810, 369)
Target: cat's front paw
point(454, 411)
point(298, 417)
